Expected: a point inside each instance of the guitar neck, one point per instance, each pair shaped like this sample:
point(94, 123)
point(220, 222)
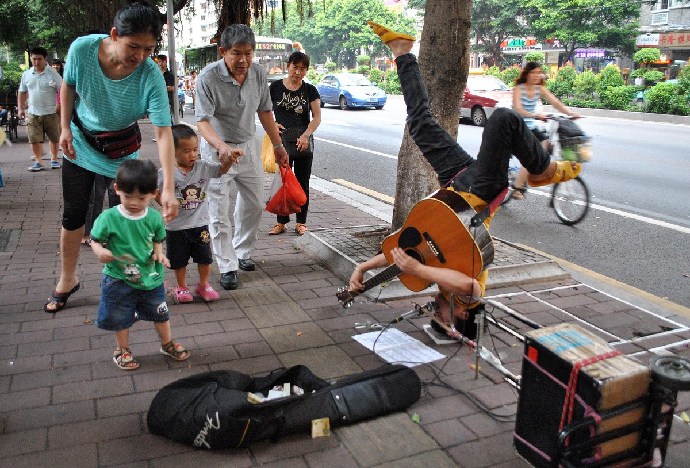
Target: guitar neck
point(346, 297)
point(388, 274)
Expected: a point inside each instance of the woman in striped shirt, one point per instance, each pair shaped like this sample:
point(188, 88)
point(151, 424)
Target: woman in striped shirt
point(529, 90)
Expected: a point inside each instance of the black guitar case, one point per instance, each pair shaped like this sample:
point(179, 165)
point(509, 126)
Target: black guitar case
point(211, 410)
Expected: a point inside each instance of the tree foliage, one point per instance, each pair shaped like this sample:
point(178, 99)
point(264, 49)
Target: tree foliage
point(561, 85)
point(535, 56)
point(54, 24)
point(493, 21)
point(444, 63)
point(337, 32)
point(647, 55)
point(586, 23)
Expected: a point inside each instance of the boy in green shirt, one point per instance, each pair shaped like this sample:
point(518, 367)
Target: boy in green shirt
point(128, 239)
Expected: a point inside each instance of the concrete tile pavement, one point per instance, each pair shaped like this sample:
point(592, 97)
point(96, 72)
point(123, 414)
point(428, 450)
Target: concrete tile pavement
point(63, 402)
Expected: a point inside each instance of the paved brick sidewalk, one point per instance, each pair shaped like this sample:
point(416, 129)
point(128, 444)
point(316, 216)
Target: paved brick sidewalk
point(64, 403)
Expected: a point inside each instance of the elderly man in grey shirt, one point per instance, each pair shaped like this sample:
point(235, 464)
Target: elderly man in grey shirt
point(229, 93)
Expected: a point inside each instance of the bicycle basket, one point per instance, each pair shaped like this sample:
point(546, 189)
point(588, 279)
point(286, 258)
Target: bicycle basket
point(567, 129)
point(576, 149)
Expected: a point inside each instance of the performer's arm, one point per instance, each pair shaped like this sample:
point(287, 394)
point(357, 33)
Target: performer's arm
point(357, 277)
point(447, 279)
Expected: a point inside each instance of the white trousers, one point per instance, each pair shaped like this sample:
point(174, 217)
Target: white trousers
point(247, 174)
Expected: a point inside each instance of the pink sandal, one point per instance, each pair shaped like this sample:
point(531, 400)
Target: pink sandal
point(207, 293)
point(182, 295)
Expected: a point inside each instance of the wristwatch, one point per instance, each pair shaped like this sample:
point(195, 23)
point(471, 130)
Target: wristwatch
point(279, 145)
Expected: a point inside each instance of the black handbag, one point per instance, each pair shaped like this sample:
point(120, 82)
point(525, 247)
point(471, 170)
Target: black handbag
point(290, 137)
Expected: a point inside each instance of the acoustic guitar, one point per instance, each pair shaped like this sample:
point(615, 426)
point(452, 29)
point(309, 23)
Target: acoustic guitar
point(438, 233)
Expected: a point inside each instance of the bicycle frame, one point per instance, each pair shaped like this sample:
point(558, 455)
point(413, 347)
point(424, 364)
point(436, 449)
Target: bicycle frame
point(569, 200)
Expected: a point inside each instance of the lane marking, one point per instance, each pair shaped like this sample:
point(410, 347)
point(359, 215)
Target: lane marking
point(365, 150)
point(656, 300)
point(379, 196)
point(624, 214)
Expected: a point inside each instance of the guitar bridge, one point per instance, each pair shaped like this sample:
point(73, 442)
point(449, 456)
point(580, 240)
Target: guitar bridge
point(434, 248)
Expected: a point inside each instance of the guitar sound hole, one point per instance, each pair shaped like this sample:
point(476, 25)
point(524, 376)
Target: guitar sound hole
point(410, 237)
point(414, 254)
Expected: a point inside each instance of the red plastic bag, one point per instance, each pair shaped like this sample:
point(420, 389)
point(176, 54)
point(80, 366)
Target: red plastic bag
point(289, 198)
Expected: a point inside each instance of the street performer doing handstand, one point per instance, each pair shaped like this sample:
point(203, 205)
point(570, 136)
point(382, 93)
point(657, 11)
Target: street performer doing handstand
point(481, 181)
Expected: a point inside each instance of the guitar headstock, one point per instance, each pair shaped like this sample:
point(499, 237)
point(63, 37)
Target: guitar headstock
point(345, 297)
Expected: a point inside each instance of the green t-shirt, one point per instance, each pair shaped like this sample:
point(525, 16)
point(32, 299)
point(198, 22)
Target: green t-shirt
point(131, 240)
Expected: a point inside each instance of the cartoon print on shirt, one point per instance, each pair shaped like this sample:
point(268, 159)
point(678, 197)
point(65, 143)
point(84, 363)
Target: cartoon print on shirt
point(132, 273)
point(192, 196)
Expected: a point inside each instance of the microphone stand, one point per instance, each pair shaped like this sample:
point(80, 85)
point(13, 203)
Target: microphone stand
point(416, 311)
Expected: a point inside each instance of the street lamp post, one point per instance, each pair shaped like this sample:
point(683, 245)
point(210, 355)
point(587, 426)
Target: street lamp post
point(172, 62)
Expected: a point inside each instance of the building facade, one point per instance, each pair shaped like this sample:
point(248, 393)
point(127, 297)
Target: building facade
point(665, 24)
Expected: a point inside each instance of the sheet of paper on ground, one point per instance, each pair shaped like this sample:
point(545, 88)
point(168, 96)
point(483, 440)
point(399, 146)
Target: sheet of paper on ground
point(396, 347)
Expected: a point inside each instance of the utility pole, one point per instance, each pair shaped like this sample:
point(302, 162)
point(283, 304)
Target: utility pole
point(172, 63)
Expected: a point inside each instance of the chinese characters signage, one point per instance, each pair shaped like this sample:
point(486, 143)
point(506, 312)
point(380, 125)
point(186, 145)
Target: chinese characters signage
point(670, 40)
point(677, 40)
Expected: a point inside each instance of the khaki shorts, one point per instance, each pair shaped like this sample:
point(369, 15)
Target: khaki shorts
point(37, 125)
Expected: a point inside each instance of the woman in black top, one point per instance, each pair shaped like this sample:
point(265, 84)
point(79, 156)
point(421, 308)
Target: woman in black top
point(292, 100)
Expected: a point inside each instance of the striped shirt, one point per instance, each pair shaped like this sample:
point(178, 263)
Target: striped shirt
point(529, 104)
point(109, 105)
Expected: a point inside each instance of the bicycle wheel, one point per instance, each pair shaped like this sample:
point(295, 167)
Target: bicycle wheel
point(570, 201)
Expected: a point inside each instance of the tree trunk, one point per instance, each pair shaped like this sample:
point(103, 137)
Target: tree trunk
point(444, 61)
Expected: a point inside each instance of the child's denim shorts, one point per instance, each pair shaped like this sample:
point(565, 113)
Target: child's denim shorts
point(122, 305)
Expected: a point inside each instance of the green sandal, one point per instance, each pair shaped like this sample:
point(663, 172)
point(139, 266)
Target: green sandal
point(175, 351)
point(124, 360)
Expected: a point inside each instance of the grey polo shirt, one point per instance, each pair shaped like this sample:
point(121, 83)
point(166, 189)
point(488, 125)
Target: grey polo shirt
point(43, 88)
point(230, 108)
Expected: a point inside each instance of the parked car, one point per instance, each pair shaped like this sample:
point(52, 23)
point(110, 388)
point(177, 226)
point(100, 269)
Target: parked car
point(349, 90)
point(484, 94)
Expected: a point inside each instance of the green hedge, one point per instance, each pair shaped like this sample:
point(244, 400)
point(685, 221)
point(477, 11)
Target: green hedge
point(667, 98)
point(618, 97)
point(585, 85)
point(392, 84)
point(12, 75)
point(375, 76)
point(561, 85)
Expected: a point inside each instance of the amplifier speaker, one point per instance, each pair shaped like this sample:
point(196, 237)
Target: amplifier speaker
point(605, 383)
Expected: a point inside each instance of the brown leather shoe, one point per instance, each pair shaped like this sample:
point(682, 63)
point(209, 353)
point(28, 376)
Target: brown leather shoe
point(301, 229)
point(277, 229)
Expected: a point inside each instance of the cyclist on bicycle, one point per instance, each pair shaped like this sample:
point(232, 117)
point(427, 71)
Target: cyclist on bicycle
point(527, 93)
